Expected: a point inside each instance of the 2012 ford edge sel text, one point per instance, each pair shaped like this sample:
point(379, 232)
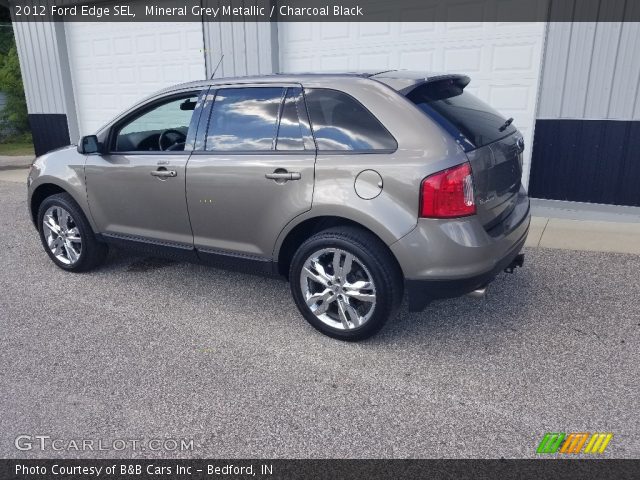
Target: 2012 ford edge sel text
point(357, 187)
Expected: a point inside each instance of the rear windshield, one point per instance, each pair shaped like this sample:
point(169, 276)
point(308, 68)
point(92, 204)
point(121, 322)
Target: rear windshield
point(471, 121)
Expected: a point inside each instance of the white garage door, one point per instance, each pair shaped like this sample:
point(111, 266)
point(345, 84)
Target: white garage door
point(502, 59)
point(115, 64)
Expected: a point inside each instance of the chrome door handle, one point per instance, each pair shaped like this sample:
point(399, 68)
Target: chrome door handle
point(164, 173)
point(283, 176)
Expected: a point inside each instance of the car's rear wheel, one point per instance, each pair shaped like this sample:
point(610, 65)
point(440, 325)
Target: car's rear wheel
point(67, 236)
point(345, 283)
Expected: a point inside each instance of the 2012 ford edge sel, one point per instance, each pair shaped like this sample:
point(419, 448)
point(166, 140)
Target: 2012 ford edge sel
point(356, 187)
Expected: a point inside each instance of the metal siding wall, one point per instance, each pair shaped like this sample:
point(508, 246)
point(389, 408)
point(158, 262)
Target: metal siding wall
point(67, 83)
point(587, 128)
point(39, 49)
point(48, 91)
point(600, 88)
point(247, 46)
point(592, 70)
point(39, 61)
point(625, 90)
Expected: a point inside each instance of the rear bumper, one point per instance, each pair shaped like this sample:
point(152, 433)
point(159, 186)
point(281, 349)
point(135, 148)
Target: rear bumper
point(421, 292)
point(443, 259)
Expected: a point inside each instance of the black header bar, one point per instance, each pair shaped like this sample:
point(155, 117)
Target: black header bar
point(326, 10)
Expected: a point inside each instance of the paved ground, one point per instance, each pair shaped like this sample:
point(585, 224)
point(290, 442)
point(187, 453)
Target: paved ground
point(15, 161)
point(151, 349)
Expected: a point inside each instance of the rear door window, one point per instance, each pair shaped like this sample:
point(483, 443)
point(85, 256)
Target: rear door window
point(342, 123)
point(244, 119)
point(471, 121)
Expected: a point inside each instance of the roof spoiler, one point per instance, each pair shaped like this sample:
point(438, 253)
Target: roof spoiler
point(460, 80)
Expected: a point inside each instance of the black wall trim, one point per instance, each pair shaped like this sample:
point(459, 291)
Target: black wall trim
point(595, 161)
point(50, 131)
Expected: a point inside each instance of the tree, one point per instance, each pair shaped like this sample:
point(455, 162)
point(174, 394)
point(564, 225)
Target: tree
point(14, 114)
point(15, 110)
point(6, 32)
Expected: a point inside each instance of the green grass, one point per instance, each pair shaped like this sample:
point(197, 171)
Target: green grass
point(16, 149)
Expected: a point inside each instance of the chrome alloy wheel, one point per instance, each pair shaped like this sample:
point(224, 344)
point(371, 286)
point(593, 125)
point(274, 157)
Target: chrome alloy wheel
point(338, 288)
point(62, 235)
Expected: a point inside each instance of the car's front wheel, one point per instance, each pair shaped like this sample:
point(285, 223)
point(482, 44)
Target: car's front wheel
point(345, 283)
point(67, 236)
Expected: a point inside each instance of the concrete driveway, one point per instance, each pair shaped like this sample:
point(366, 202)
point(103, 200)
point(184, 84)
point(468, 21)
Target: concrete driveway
point(148, 349)
point(8, 162)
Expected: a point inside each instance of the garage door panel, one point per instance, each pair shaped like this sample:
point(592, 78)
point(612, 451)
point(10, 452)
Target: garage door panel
point(510, 97)
point(335, 30)
point(374, 29)
point(514, 58)
point(372, 61)
point(407, 59)
point(302, 63)
point(335, 62)
point(113, 65)
point(417, 28)
point(463, 59)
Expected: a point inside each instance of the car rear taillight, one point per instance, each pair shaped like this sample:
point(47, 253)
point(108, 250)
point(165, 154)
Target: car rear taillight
point(448, 193)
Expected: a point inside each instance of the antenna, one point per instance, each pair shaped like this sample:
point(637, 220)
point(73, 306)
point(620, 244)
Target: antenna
point(217, 66)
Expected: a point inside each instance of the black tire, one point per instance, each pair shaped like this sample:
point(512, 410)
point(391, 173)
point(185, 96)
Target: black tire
point(376, 259)
point(92, 253)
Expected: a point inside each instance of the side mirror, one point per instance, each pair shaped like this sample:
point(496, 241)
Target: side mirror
point(89, 145)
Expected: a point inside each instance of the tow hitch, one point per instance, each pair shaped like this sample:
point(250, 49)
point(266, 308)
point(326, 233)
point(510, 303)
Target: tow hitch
point(516, 263)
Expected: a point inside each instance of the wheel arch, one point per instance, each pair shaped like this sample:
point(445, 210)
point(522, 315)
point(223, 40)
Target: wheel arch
point(304, 229)
point(47, 188)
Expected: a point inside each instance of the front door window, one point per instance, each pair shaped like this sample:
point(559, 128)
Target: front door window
point(162, 128)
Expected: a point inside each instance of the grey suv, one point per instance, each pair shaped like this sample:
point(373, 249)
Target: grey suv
point(357, 187)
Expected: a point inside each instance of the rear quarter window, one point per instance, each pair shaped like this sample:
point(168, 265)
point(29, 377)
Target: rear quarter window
point(341, 123)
